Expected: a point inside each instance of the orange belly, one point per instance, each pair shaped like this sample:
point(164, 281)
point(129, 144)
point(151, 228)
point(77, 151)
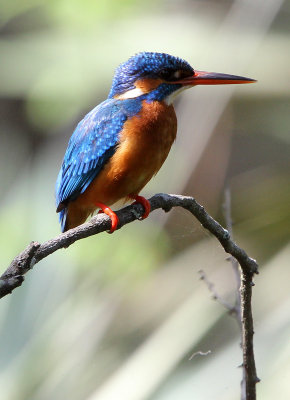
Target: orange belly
point(145, 142)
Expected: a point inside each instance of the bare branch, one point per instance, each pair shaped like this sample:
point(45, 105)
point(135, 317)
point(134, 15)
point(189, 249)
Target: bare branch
point(35, 252)
point(243, 313)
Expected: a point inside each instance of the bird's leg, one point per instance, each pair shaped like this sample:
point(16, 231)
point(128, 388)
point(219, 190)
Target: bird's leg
point(145, 203)
point(107, 210)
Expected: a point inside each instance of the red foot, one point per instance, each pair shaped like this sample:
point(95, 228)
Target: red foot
point(145, 203)
point(107, 210)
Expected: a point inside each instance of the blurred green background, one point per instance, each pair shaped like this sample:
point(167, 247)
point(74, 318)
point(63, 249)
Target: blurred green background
point(119, 316)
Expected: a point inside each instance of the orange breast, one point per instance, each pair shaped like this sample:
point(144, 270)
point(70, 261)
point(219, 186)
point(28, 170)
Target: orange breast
point(144, 145)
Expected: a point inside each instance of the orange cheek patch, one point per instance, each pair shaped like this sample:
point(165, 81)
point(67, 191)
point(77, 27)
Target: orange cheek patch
point(146, 85)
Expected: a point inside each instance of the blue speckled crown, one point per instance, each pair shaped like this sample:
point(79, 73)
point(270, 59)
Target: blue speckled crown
point(147, 64)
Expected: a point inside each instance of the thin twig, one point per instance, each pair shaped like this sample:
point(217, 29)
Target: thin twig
point(211, 287)
point(243, 312)
point(227, 208)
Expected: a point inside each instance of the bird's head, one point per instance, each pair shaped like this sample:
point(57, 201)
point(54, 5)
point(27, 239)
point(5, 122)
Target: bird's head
point(163, 76)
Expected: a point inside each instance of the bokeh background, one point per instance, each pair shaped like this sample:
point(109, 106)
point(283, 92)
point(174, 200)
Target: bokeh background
point(119, 316)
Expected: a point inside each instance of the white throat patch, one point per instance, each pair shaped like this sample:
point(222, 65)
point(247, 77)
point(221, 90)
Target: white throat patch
point(131, 94)
point(169, 99)
point(136, 92)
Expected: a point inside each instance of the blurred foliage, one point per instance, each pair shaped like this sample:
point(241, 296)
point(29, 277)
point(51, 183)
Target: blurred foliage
point(118, 316)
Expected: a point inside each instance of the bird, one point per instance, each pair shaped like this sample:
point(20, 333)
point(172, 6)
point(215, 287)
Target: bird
point(122, 143)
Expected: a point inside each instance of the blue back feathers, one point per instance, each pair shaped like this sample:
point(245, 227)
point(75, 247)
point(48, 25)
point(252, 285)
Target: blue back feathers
point(93, 142)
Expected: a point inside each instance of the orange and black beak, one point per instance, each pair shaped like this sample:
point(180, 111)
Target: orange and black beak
point(212, 78)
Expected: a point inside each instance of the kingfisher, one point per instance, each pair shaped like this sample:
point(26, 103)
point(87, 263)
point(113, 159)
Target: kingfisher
point(122, 143)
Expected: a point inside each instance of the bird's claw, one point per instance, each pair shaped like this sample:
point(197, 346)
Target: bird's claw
point(144, 202)
point(114, 219)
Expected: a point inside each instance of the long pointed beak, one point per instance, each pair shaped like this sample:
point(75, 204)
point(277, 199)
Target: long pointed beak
point(212, 78)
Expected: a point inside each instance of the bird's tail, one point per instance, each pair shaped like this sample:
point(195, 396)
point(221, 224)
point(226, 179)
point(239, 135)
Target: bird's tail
point(63, 219)
point(72, 215)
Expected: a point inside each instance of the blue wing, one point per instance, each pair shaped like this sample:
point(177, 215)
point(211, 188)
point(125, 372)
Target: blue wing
point(93, 142)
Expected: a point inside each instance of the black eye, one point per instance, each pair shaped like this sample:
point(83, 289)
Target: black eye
point(178, 74)
point(173, 75)
point(166, 74)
